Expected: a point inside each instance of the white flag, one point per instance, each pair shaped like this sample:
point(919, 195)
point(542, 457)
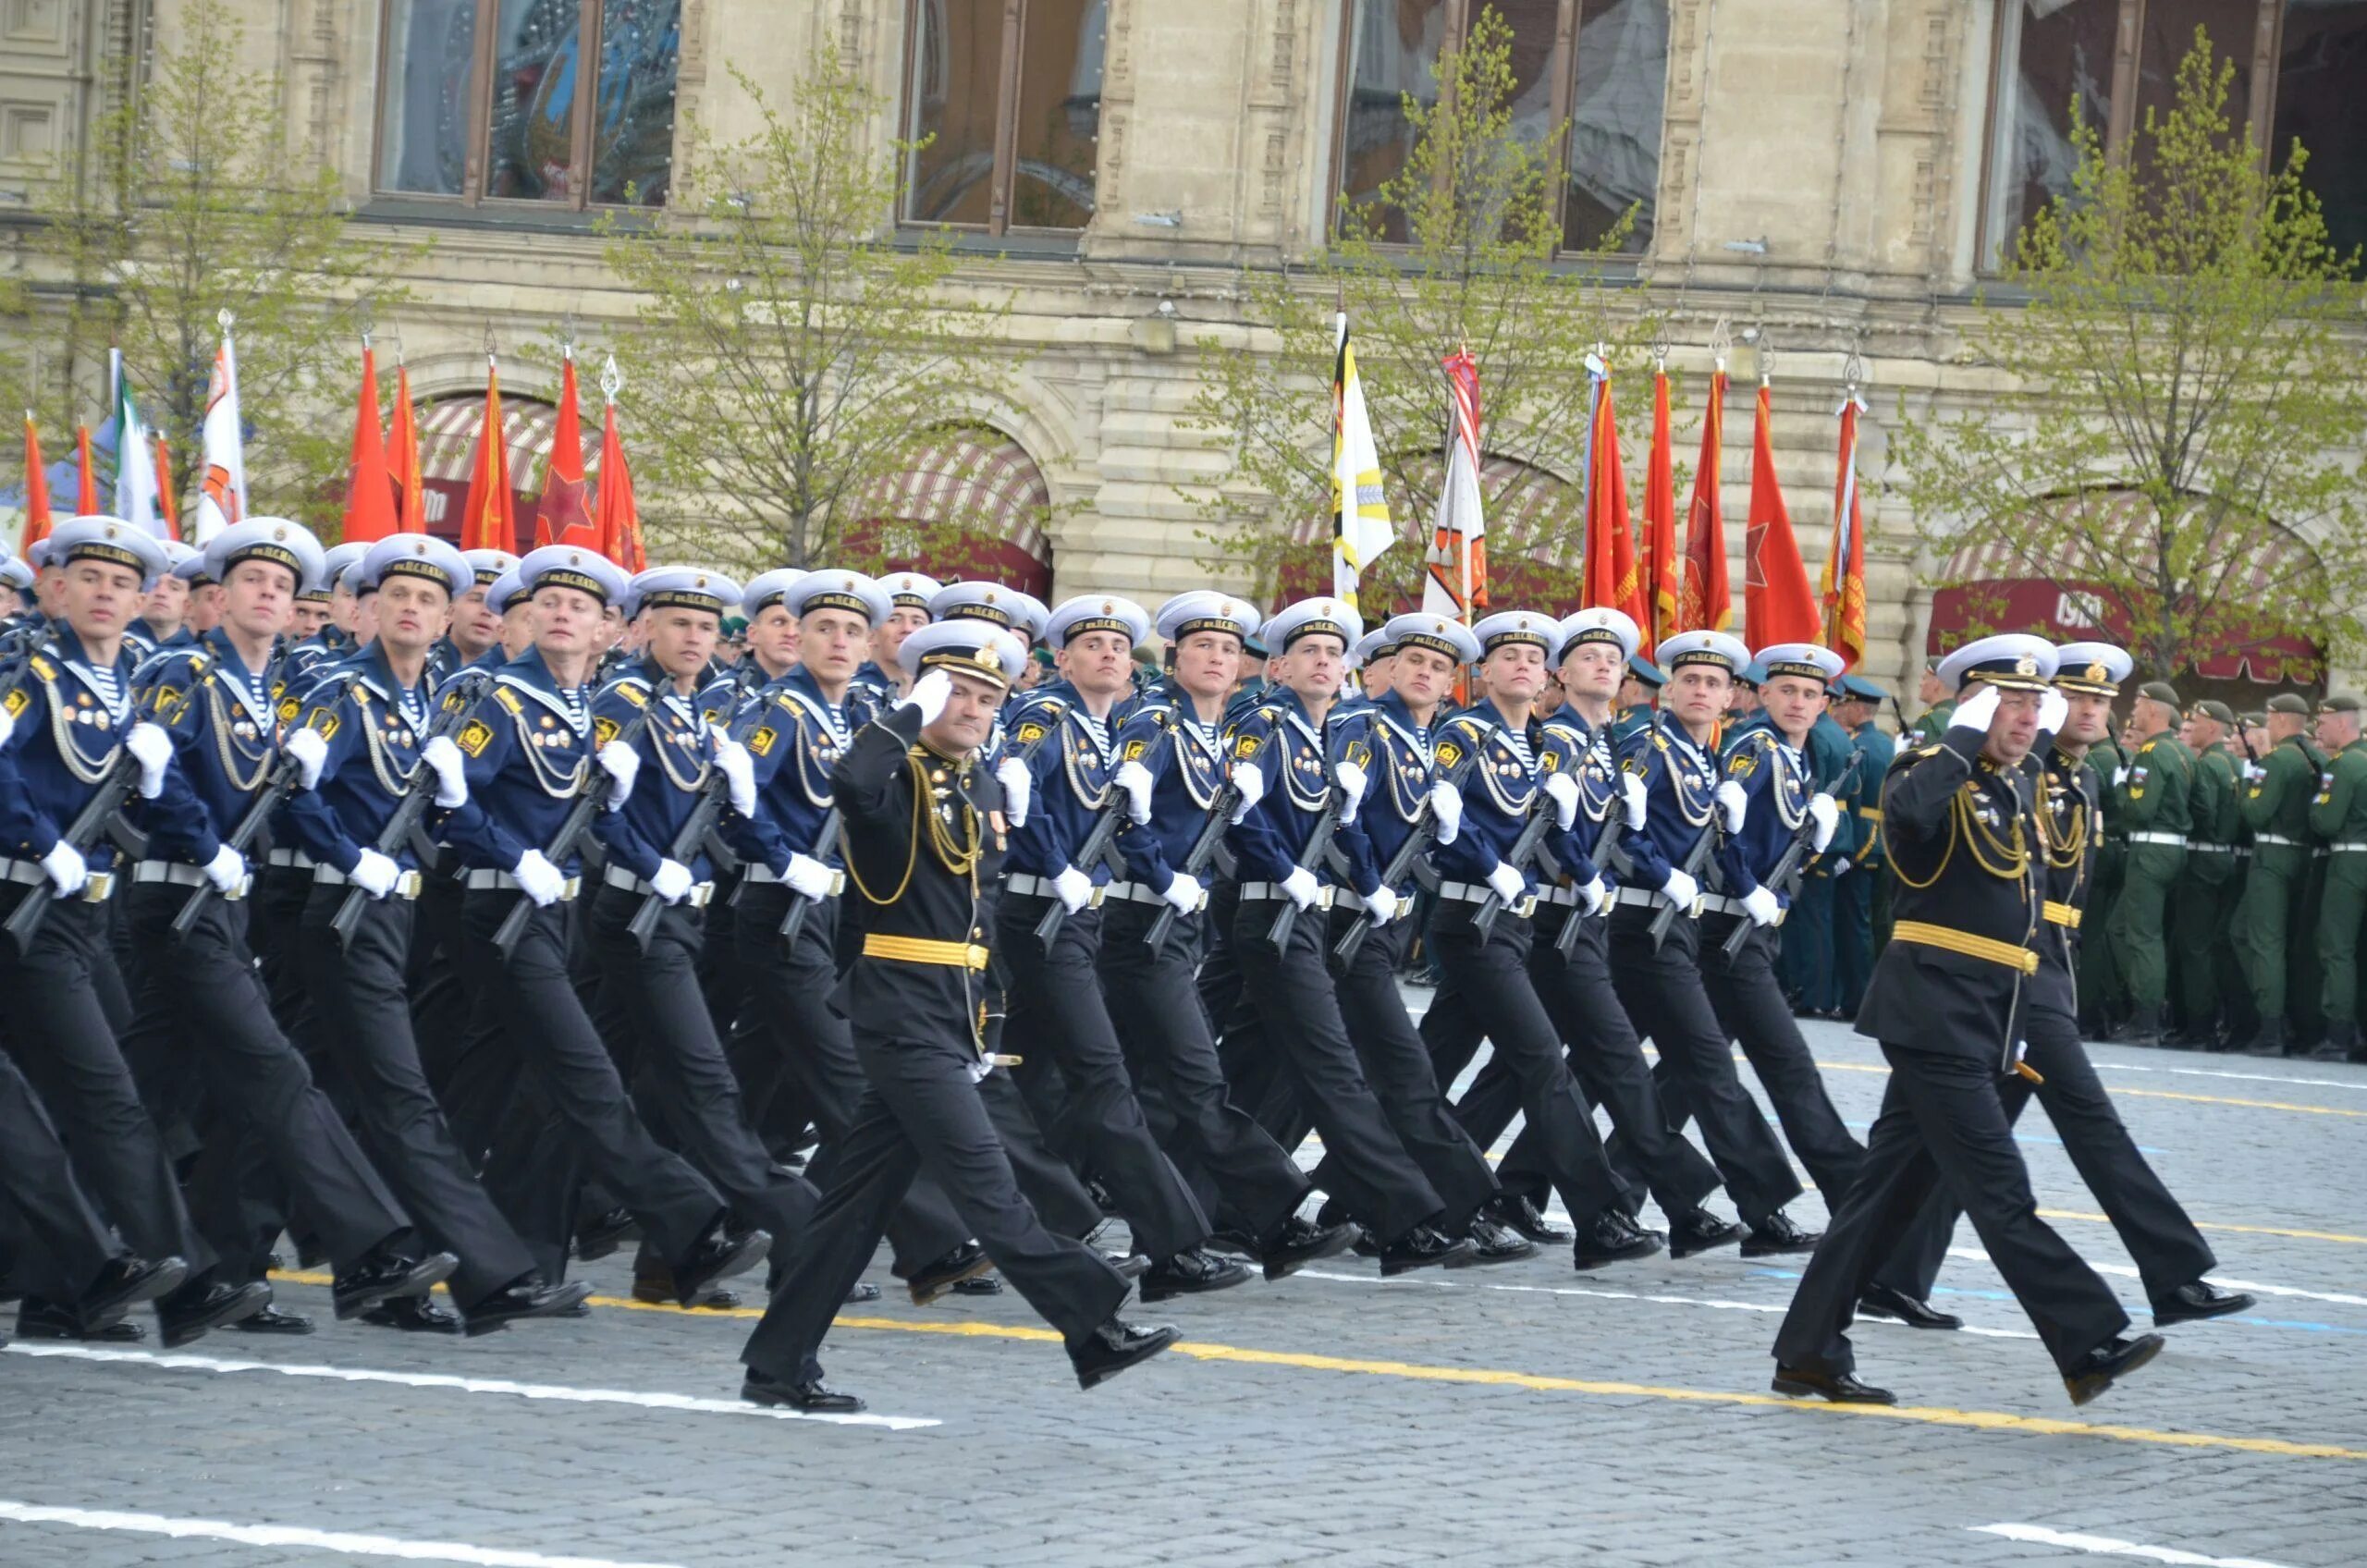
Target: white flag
point(222, 499)
point(1456, 584)
point(135, 466)
point(1360, 526)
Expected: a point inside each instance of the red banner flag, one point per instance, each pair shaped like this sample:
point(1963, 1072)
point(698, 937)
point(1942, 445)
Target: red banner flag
point(1777, 605)
point(563, 516)
point(1613, 578)
point(369, 493)
point(619, 523)
point(1457, 559)
point(1704, 603)
point(1844, 564)
point(168, 504)
point(402, 459)
point(1660, 569)
point(86, 493)
point(37, 518)
point(489, 522)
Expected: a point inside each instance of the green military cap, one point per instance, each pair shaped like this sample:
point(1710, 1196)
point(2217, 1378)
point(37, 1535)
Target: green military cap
point(2213, 709)
point(2253, 720)
point(2344, 702)
point(2160, 691)
point(2288, 702)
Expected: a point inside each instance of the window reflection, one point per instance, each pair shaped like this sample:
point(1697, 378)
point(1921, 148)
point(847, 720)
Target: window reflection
point(1616, 122)
point(424, 121)
point(2322, 99)
point(632, 113)
point(1393, 54)
point(957, 74)
point(535, 57)
point(1060, 112)
point(2061, 54)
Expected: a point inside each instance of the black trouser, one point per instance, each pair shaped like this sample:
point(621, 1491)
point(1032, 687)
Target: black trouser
point(679, 1067)
point(920, 1111)
point(1608, 1061)
point(788, 985)
point(1238, 1173)
point(1749, 1003)
point(1662, 991)
point(581, 1121)
point(198, 995)
point(1058, 1016)
point(1943, 1125)
point(1364, 1163)
point(55, 1025)
point(360, 999)
point(55, 1241)
point(2169, 1250)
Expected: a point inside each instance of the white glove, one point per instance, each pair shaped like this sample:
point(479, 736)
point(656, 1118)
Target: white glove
point(1251, 781)
point(1301, 886)
point(1596, 893)
point(7, 728)
point(2053, 710)
point(980, 1069)
point(1135, 779)
point(930, 693)
point(1563, 790)
point(622, 766)
point(1447, 805)
point(66, 869)
point(1508, 881)
point(1018, 790)
point(227, 870)
point(538, 879)
point(451, 772)
point(808, 876)
point(1382, 905)
point(1759, 904)
point(375, 874)
point(153, 749)
point(1075, 887)
point(1976, 711)
point(739, 774)
point(308, 751)
point(1841, 866)
point(1733, 805)
point(1636, 799)
point(2120, 776)
point(1827, 815)
point(1185, 892)
point(1354, 782)
point(671, 881)
point(1680, 888)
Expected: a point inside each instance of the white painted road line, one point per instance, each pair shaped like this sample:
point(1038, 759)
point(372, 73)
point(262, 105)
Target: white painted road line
point(2256, 1286)
point(2359, 1082)
point(2106, 1546)
point(468, 1385)
point(297, 1536)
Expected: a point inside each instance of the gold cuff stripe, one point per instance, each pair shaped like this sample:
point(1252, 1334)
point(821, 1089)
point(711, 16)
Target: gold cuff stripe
point(922, 949)
point(2063, 914)
point(1952, 940)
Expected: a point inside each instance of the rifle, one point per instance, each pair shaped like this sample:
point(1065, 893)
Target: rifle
point(1403, 864)
point(1524, 850)
point(24, 921)
point(825, 839)
point(1603, 840)
point(685, 847)
point(1694, 861)
point(1106, 828)
point(281, 785)
point(412, 808)
point(1204, 848)
point(589, 804)
point(1785, 878)
point(1319, 844)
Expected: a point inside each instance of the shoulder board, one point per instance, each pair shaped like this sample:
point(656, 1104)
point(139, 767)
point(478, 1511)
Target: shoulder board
point(634, 688)
point(2147, 747)
point(43, 669)
point(507, 698)
point(1560, 727)
point(793, 701)
point(1471, 725)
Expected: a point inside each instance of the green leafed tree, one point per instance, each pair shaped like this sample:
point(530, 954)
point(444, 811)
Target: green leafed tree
point(789, 360)
point(1458, 249)
point(2178, 431)
point(191, 204)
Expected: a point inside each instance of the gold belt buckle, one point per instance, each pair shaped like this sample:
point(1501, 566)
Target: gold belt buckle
point(838, 883)
point(1527, 907)
point(570, 889)
point(246, 884)
point(1095, 902)
point(702, 893)
point(1324, 896)
point(406, 886)
point(99, 888)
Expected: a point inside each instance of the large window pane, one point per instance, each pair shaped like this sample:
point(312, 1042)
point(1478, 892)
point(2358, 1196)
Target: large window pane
point(632, 113)
point(956, 72)
point(2053, 56)
point(1615, 121)
point(537, 47)
point(2169, 33)
point(1060, 112)
point(1394, 54)
point(2322, 100)
point(429, 91)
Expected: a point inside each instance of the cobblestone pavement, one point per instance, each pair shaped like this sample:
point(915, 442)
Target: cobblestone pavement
point(1521, 1414)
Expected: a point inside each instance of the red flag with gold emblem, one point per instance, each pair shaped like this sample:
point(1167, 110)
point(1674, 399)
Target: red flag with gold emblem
point(562, 516)
point(1613, 578)
point(619, 523)
point(489, 520)
point(1660, 569)
point(1844, 564)
point(402, 459)
point(1704, 602)
point(1777, 605)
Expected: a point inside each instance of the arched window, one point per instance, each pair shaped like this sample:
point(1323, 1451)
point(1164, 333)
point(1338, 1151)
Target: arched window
point(971, 504)
point(448, 448)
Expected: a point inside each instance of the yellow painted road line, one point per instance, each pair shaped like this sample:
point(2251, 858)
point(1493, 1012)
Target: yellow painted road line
point(1930, 1416)
point(2116, 1090)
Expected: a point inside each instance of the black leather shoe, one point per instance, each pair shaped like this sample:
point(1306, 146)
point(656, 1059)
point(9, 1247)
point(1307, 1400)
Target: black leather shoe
point(1701, 1232)
point(1881, 1301)
point(417, 1315)
point(1132, 1265)
point(1300, 1242)
point(1515, 1212)
point(986, 1284)
point(271, 1320)
point(1612, 1238)
point(124, 1282)
point(1113, 1347)
point(1844, 1389)
point(653, 1282)
point(526, 1298)
point(719, 1255)
point(2193, 1302)
point(864, 1293)
point(1777, 1235)
point(965, 1262)
point(189, 1311)
point(1422, 1247)
point(604, 1233)
point(1191, 1272)
point(1491, 1242)
point(2144, 1026)
point(814, 1398)
point(1367, 1244)
point(38, 1319)
point(381, 1276)
point(2108, 1363)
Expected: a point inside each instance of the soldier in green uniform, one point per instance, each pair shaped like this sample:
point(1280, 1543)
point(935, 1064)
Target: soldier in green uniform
point(1939, 706)
point(2103, 1001)
point(2208, 887)
point(2338, 814)
point(1861, 892)
point(2153, 792)
point(2275, 803)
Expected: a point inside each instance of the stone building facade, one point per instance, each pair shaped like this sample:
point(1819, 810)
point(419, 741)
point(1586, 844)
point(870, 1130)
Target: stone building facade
point(1831, 176)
